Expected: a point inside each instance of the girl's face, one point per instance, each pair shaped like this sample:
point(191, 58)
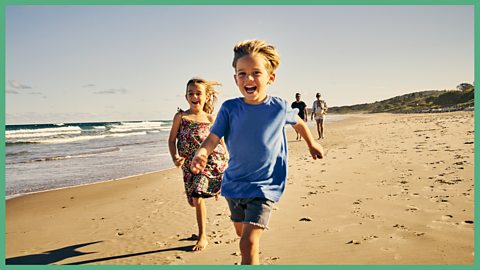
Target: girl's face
point(196, 96)
point(252, 78)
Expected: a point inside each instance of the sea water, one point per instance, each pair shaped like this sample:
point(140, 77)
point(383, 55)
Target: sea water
point(42, 157)
point(48, 156)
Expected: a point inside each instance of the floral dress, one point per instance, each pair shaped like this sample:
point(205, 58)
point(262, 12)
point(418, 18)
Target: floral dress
point(207, 183)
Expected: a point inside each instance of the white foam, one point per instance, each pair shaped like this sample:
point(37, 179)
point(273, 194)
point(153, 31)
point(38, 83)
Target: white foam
point(37, 131)
point(42, 134)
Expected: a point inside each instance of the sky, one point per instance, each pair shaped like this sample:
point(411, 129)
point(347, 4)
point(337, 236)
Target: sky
point(120, 63)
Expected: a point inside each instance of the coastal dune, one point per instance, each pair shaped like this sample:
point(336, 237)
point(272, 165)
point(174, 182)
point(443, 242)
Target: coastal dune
point(392, 189)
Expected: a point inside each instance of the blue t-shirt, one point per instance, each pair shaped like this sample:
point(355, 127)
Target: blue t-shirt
point(257, 145)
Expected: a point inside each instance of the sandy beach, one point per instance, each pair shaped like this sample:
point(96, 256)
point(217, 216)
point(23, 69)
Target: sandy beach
point(393, 189)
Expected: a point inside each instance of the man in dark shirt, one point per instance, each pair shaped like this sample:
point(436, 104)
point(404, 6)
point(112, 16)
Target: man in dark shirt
point(302, 110)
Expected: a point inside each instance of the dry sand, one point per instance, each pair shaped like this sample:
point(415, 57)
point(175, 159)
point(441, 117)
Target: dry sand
point(393, 189)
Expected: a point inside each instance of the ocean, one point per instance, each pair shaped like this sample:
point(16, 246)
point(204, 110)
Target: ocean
point(48, 156)
point(41, 157)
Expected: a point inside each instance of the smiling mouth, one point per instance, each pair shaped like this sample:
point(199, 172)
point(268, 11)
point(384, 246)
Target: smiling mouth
point(195, 102)
point(250, 90)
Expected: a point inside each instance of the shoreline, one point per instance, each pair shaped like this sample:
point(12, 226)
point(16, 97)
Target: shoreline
point(85, 184)
point(9, 197)
point(393, 189)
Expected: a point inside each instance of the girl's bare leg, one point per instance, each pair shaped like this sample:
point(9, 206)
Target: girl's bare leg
point(201, 212)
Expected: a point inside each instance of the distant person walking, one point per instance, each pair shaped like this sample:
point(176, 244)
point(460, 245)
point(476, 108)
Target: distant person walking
point(302, 111)
point(319, 110)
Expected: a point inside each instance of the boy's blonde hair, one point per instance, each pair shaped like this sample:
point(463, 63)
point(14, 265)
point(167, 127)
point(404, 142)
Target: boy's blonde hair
point(256, 46)
point(210, 92)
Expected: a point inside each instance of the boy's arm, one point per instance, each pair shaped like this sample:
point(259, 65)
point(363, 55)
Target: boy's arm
point(315, 148)
point(199, 161)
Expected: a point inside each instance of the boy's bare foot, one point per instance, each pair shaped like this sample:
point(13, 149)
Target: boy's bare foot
point(201, 244)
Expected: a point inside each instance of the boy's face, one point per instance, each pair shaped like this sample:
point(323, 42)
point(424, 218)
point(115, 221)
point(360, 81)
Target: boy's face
point(252, 78)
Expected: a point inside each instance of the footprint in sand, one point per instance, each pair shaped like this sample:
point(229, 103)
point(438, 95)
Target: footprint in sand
point(353, 242)
point(401, 227)
point(370, 238)
point(447, 217)
point(271, 260)
point(175, 259)
point(161, 243)
point(411, 208)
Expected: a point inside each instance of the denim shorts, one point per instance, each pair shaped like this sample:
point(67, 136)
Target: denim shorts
point(255, 211)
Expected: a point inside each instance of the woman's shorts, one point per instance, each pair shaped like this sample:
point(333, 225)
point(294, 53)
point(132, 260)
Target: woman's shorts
point(255, 211)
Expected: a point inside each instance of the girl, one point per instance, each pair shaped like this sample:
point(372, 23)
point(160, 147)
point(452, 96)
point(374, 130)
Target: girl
point(189, 130)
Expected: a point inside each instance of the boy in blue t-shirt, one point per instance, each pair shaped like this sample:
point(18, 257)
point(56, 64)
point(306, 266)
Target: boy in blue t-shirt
point(253, 128)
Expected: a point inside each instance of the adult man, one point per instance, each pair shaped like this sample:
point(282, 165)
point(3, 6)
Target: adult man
point(302, 111)
point(319, 109)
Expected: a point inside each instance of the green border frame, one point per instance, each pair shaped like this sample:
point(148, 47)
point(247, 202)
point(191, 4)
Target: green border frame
point(6, 3)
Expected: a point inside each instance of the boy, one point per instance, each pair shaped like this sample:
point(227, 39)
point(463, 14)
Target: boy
point(253, 128)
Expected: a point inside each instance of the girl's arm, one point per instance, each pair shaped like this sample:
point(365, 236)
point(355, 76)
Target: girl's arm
point(172, 139)
point(199, 161)
point(315, 148)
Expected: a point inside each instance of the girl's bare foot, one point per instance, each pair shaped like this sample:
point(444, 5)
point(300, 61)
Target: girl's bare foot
point(201, 244)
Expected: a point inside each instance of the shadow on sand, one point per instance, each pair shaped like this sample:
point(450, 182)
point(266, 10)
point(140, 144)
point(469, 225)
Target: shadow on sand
point(57, 255)
point(51, 256)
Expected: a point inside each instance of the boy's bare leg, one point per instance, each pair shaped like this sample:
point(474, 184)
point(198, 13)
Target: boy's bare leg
point(238, 228)
point(201, 212)
point(250, 244)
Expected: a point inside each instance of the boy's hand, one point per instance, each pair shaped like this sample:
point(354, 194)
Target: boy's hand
point(199, 162)
point(316, 150)
point(178, 160)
